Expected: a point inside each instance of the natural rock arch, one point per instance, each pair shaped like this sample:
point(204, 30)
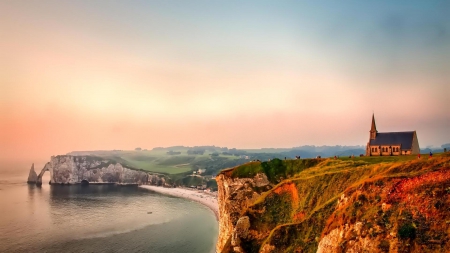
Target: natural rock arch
point(84, 182)
point(39, 177)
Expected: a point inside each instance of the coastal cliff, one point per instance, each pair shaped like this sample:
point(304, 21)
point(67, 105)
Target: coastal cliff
point(67, 169)
point(235, 195)
point(364, 204)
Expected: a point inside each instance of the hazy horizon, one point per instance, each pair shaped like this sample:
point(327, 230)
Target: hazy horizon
point(84, 75)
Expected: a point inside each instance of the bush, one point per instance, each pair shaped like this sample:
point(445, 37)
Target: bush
point(248, 170)
point(362, 198)
point(438, 204)
point(274, 169)
point(407, 231)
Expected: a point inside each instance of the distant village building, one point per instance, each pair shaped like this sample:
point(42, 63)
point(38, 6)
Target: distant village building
point(391, 143)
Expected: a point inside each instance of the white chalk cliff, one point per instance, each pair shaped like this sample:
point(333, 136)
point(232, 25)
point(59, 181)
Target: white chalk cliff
point(67, 169)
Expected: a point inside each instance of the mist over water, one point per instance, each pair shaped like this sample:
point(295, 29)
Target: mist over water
point(99, 218)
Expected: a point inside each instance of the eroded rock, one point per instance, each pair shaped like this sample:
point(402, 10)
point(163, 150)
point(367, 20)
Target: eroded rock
point(235, 195)
point(69, 169)
point(32, 176)
point(240, 230)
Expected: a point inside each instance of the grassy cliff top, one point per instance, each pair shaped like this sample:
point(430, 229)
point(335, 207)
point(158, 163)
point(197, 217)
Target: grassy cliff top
point(400, 196)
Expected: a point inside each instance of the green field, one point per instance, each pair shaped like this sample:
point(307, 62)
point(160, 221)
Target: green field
point(160, 162)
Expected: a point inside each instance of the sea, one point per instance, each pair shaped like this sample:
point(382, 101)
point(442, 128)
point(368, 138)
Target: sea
point(99, 218)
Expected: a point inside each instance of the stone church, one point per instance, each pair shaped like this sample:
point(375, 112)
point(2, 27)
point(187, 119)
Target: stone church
point(391, 143)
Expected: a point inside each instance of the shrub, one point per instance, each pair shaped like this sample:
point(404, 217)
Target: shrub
point(407, 231)
point(274, 169)
point(362, 198)
point(438, 204)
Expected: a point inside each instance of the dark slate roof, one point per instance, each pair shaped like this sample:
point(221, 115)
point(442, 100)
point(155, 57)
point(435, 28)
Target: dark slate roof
point(394, 138)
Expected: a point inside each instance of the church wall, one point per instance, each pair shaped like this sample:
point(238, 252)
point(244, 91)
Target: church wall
point(415, 145)
point(386, 150)
point(396, 148)
point(375, 150)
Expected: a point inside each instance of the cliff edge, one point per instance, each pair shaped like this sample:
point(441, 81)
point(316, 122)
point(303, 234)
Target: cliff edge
point(67, 169)
point(364, 204)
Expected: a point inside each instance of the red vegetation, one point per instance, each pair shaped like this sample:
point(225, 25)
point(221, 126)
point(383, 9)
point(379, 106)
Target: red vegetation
point(299, 216)
point(413, 191)
point(290, 189)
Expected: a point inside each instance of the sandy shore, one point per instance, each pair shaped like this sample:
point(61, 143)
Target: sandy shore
point(198, 196)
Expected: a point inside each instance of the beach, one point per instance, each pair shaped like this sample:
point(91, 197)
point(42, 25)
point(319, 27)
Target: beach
point(201, 197)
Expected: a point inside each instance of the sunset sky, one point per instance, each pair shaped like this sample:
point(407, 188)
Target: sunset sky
point(89, 75)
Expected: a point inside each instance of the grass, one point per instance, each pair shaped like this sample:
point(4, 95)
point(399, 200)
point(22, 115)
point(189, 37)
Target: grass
point(155, 167)
point(276, 169)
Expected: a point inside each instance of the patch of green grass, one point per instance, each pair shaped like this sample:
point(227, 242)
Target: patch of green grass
point(247, 170)
point(275, 169)
point(380, 159)
point(176, 160)
point(153, 167)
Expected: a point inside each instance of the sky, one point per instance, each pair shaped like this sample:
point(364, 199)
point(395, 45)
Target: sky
point(102, 75)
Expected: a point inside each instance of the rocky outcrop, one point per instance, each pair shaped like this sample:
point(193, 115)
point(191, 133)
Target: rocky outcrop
point(156, 180)
point(360, 241)
point(32, 176)
point(240, 231)
point(235, 195)
point(67, 169)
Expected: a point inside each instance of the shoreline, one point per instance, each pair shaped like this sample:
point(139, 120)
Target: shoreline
point(203, 198)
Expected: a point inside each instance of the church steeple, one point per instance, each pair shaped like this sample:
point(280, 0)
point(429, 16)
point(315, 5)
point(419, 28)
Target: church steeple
point(373, 129)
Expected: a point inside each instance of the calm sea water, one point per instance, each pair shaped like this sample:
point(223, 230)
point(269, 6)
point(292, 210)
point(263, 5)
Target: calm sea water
point(102, 218)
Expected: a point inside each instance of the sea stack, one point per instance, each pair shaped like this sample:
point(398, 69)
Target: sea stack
point(32, 177)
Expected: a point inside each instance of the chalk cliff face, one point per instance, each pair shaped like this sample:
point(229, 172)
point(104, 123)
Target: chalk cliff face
point(66, 169)
point(235, 195)
point(394, 204)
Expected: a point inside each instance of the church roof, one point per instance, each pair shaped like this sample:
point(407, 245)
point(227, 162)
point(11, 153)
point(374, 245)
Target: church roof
point(394, 138)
